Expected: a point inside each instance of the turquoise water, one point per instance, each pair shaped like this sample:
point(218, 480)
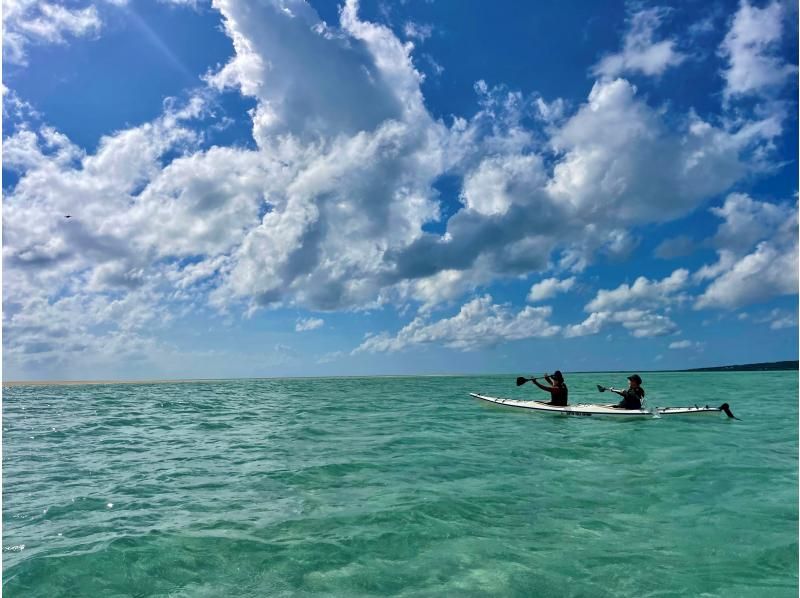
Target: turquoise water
point(397, 487)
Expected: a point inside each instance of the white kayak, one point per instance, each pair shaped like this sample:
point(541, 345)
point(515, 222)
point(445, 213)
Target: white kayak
point(596, 410)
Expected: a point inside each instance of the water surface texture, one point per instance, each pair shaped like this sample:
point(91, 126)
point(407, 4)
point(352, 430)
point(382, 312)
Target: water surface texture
point(398, 487)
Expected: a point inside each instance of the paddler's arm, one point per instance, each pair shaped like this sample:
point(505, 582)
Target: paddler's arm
point(542, 386)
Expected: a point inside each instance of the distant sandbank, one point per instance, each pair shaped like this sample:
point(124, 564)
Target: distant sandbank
point(88, 382)
point(201, 380)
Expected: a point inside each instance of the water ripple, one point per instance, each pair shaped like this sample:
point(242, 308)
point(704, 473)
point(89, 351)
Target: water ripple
point(394, 486)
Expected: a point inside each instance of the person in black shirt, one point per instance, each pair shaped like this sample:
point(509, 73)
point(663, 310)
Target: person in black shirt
point(559, 394)
point(631, 396)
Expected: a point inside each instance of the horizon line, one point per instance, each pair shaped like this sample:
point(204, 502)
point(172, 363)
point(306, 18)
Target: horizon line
point(438, 375)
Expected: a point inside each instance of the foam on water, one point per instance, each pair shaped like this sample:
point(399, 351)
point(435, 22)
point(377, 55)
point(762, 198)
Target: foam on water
point(397, 487)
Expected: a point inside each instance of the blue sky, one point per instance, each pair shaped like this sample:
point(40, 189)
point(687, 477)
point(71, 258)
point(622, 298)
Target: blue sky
point(275, 187)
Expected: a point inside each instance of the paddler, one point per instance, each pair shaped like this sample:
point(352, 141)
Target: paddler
point(559, 393)
point(631, 396)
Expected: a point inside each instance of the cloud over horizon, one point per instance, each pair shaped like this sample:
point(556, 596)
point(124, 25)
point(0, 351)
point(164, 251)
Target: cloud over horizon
point(337, 207)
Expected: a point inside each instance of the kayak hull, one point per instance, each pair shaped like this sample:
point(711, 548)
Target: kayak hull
point(596, 410)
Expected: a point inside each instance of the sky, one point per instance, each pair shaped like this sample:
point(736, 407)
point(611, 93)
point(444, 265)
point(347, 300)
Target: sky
point(248, 188)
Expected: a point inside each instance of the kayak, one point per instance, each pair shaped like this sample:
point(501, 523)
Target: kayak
point(596, 410)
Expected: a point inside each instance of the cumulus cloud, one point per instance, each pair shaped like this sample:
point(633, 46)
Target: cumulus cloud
point(634, 307)
point(362, 64)
point(765, 273)
point(231, 224)
point(549, 288)
point(305, 324)
point(30, 22)
point(479, 323)
point(642, 291)
point(751, 48)
point(498, 183)
point(329, 210)
point(617, 151)
point(747, 221)
point(72, 286)
point(641, 53)
point(757, 254)
point(613, 152)
point(640, 323)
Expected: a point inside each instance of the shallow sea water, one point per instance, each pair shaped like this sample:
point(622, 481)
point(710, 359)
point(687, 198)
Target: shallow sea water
point(398, 487)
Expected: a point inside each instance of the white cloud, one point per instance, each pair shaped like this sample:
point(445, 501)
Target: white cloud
point(74, 287)
point(747, 221)
point(632, 307)
point(360, 65)
point(683, 344)
point(754, 65)
point(704, 26)
point(757, 255)
point(640, 52)
point(725, 260)
point(305, 324)
point(420, 31)
point(549, 288)
point(30, 22)
point(327, 211)
point(479, 323)
point(639, 323)
point(609, 155)
point(785, 322)
point(498, 183)
point(444, 286)
point(617, 151)
point(778, 319)
point(189, 3)
point(642, 291)
point(763, 274)
point(17, 109)
point(232, 225)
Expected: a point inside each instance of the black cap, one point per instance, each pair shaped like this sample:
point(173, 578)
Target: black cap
point(558, 376)
point(635, 378)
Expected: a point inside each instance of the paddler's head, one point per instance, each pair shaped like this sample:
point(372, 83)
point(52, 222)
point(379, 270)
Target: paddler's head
point(635, 380)
point(557, 376)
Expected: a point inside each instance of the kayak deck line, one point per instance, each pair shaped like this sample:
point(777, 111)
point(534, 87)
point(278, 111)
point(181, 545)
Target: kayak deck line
point(604, 410)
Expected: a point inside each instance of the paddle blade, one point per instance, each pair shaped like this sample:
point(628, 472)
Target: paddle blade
point(601, 388)
point(521, 381)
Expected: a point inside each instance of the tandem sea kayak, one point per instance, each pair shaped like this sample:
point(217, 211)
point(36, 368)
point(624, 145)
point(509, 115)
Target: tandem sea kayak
point(595, 410)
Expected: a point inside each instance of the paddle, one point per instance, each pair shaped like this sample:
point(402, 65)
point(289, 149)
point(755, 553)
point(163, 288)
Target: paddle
point(605, 388)
point(521, 380)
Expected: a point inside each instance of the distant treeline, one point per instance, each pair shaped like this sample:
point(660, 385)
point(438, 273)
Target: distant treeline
point(751, 367)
